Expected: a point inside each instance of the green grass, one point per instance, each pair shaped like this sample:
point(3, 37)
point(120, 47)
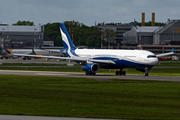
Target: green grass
point(158, 71)
point(168, 63)
point(81, 97)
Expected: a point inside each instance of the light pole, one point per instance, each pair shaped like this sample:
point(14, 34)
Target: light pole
point(35, 38)
point(39, 35)
point(101, 39)
point(72, 35)
point(3, 39)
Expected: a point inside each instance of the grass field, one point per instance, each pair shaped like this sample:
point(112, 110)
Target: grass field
point(81, 97)
point(168, 63)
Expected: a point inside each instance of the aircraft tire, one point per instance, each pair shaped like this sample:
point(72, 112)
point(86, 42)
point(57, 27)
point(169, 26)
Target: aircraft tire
point(124, 73)
point(117, 73)
point(90, 73)
point(87, 73)
point(146, 74)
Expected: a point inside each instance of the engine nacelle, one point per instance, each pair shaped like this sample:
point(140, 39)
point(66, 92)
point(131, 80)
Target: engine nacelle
point(91, 67)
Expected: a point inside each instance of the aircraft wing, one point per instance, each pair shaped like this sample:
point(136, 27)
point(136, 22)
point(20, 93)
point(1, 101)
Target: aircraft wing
point(62, 51)
point(166, 54)
point(81, 59)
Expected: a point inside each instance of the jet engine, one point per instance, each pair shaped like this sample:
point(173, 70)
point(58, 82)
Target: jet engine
point(91, 68)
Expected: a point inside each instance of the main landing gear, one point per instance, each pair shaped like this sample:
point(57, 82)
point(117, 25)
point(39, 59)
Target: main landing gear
point(120, 72)
point(90, 73)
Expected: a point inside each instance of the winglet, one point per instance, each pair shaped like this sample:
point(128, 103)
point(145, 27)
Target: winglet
point(172, 50)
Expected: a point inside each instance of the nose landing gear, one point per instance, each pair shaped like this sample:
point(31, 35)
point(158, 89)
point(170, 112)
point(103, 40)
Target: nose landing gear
point(146, 72)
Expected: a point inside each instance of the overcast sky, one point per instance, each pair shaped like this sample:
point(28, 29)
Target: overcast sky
point(87, 11)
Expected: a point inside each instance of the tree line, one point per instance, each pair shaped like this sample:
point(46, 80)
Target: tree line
point(81, 34)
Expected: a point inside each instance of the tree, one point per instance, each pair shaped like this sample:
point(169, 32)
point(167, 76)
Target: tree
point(58, 41)
point(82, 34)
point(109, 35)
point(148, 23)
point(94, 38)
point(52, 31)
point(26, 23)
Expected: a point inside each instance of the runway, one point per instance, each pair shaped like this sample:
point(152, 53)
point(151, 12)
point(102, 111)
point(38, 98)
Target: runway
point(98, 76)
point(19, 117)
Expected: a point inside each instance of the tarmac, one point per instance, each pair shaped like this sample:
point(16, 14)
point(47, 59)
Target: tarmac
point(98, 76)
point(20, 117)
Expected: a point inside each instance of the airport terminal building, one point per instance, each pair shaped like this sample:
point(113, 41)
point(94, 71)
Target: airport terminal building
point(21, 36)
point(119, 28)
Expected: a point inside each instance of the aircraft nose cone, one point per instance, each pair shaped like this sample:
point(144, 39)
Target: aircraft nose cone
point(155, 61)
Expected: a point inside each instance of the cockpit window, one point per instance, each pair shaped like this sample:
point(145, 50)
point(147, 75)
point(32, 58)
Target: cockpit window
point(151, 56)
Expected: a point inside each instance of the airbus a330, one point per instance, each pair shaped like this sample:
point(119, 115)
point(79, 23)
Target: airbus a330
point(94, 59)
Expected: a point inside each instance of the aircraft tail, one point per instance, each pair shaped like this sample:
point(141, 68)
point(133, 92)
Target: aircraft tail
point(67, 42)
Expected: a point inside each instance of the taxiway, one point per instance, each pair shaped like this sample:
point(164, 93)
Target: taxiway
point(20, 117)
point(98, 76)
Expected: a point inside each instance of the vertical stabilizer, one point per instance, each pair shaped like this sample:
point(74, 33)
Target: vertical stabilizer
point(67, 42)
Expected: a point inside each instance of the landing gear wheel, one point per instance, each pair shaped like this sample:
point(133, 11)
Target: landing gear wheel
point(124, 73)
point(117, 73)
point(90, 73)
point(87, 73)
point(146, 74)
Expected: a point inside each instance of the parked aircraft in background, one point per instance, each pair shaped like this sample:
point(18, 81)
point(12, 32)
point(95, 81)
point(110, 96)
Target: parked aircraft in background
point(94, 59)
point(6, 53)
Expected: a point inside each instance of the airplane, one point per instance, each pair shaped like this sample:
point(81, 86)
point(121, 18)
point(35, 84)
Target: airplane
point(6, 53)
point(95, 59)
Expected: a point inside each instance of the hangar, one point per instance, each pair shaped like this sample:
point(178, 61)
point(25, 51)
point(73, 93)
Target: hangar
point(140, 35)
point(157, 39)
point(21, 36)
point(148, 35)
